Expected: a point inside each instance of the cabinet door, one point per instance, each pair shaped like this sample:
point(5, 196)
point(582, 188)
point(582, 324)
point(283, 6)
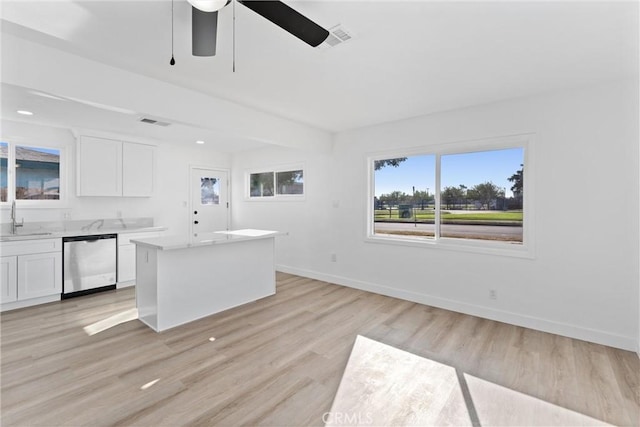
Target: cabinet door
point(99, 167)
point(39, 275)
point(137, 169)
point(8, 279)
point(126, 263)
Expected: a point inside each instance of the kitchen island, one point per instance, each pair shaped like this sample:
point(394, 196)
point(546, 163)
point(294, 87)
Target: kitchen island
point(181, 279)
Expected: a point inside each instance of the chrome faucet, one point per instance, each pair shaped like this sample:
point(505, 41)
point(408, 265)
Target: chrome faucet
point(100, 223)
point(14, 224)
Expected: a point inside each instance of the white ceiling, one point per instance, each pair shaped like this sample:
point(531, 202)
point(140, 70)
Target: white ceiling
point(406, 58)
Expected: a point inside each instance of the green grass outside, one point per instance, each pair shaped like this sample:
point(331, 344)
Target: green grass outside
point(430, 215)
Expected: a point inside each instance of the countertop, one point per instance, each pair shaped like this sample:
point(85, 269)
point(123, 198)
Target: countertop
point(206, 239)
point(36, 231)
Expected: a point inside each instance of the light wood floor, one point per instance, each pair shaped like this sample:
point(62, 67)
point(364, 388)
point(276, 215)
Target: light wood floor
point(279, 361)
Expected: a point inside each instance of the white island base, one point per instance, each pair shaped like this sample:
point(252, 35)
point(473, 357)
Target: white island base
point(178, 281)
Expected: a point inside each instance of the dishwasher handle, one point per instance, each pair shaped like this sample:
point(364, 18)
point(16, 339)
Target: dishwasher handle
point(89, 238)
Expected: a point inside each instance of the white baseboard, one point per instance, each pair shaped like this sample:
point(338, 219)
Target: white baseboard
point(29, 302)
point(128, 284)
point(558, 328)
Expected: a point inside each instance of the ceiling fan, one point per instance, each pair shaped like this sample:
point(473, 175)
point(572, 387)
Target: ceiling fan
point(204, 22)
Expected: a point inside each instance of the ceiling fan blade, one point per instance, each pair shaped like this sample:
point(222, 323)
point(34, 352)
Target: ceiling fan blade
point(204, 28)
point(289, 20)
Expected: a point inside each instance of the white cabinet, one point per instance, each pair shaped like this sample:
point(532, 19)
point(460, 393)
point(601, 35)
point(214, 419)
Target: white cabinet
point(8, 278)
point(31, 269)
point(126, 263)
point(39, 275)
point(137, 169)
point(127, 255)
point(100, 167)
point(108, 167)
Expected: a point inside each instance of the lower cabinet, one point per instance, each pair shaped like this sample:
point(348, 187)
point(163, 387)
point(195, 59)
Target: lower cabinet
point(8, 279)
point(126, 263)
point(127, 255)
point(39, 275)
point(30, 269)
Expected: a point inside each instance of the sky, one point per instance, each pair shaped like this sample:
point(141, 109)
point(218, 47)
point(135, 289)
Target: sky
point(467, 169)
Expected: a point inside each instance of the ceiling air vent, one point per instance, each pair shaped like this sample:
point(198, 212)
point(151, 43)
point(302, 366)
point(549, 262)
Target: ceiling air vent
point(154, 122)
point(337, 35)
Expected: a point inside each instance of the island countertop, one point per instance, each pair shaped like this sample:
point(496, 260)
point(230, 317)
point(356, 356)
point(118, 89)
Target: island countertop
point(206, 239)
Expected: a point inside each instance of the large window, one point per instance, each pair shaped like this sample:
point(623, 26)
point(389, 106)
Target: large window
point(467, 194)
point(29, 173)
point(276, 184)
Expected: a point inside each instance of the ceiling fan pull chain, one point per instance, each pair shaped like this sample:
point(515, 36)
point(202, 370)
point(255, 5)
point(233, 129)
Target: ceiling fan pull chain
point(234, 37)
point(173, 61)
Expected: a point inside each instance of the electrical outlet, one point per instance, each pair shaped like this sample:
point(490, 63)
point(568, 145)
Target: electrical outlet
point(493, 294)
point(334, 258)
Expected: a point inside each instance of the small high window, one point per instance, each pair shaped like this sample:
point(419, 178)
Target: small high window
point(285, 183)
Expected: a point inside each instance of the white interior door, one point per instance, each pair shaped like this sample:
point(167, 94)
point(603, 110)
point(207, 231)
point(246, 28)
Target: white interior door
point(209, 200)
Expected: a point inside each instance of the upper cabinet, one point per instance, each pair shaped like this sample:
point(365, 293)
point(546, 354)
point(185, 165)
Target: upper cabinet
point(108, 167)
point(99, 167)
point(137, 169)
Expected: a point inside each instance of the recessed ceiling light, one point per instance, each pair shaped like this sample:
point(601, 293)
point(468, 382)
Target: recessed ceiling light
point(199, 142)
point(25, 112)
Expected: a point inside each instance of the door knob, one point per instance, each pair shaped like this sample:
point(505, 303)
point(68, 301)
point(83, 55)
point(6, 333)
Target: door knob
point(195, 222)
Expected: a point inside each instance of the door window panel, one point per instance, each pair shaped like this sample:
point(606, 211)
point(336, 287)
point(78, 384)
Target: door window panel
point(209, 191)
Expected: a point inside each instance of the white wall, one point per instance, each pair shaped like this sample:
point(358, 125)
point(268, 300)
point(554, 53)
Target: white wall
point(583, 281)
point(307, 221)
point(166, 205)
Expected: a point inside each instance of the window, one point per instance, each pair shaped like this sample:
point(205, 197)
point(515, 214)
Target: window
point(4, 174)
point(37, 173)
point(29, 174)
point(262, 184)
point(276, 184)
point(471, 194)
point(289, 182)
point(404, 196)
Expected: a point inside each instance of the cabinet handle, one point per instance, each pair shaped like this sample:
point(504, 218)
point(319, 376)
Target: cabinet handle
point(195, 212)
point(195, 222)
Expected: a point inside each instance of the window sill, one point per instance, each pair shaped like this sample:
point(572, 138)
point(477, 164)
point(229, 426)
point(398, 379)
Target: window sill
point(458, 245)
point(35, 204)
point(281, 198)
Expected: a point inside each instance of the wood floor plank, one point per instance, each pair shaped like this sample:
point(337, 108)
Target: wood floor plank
point(279, 361)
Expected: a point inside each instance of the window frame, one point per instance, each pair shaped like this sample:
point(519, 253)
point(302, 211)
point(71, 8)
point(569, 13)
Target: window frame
point(524, 250)
point(11, 175)
point(274, 171)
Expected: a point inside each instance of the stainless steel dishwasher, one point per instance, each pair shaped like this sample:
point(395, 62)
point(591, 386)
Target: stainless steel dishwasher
point(89, 264)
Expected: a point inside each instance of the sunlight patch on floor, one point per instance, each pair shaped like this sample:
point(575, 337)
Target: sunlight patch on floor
point(149, 384)
point(110, 322)
point(495, 404)
point(383, 385)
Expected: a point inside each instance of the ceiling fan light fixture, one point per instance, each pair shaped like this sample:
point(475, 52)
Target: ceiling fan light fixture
point(208, 5)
